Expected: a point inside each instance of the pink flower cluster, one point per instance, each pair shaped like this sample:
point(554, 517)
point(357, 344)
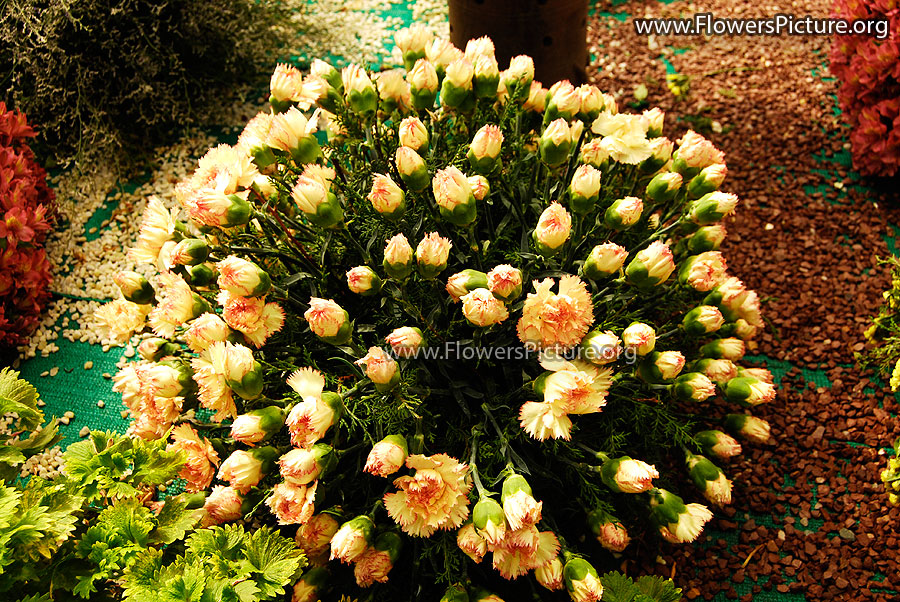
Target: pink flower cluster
point(869, 72)
point(26, 204)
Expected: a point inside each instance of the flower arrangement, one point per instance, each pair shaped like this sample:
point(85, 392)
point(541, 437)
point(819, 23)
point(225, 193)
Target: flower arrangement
point(26, 204)
point(869, 94)
point(441, 323)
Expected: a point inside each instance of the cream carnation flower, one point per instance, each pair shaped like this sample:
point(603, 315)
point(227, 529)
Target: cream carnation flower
point(544, 420)
point(175, 306)
point(556, 319)
point(291, 503)
point(201, 459)
point(157, 228)
point(120, 319)
point(435, 497)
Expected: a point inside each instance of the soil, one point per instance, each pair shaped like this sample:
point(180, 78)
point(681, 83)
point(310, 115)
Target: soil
point(810, 516)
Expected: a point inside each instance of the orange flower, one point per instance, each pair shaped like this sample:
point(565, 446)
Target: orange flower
point(201, 458)
point(556, 319)
point(434, 498)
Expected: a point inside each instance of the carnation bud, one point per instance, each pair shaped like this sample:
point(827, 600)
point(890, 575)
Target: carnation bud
point(482, 595)
point(456, 90)
point(623, 213)
point(462, 283)
point(359, 90)
point(611, 534)
point(718, 371)
point(593, 153)
point(242, 278)
point(376, 562)
point(282, 86)
point(412, 169)
point(423, 84)
point(432, 254)
point(582, 580)
point(387, 198)
point(728, 348)
point(387, 456)
point(484, 151)
point(302, 466)
point(563, 102)
point(709, 479)
point(537, 98)
point(352, 539)
point(505, 282)
point(640, 337)
point(489, 520)
point(556, 142)
point(678, 523)
point(441, 53)
point(604, 261)
point(257, 425)
point(486, 77)
point(650, 267)
point(624, 475)
point(392, 90)
point(480, 187)
point(702, 320)
point(156, 348)
point(601, 347)
point(518, 77)
point(454, 196)
point(749, 427)
point(550, 574)
point(703, 272)
point(482, 309)
point(244, 469)
point(708, 180)
point(134, 287)
point(190, 251)
point(292, 132)
point(328, 321)
point(655, 119)
point(661, 366)
point(201, 275)
point(553, 229)
point(591, 102)
point(412, 42)
point(749, 391)
point(711, 207)
point(718, 444)
point(413, 134)
point(398, 257)
point(381, 369)
point(758, 373)
point(405, 341)
point(319, 205)
point(661, 149)
point(707, 238)
point(584, 190)
point(693, 386)
point(694, 153)
point(519, 505)
point(320, 68)
point(363, 280)
point(664, 186)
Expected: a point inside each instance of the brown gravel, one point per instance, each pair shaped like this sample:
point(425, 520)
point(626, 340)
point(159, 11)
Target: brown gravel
point(809, 516)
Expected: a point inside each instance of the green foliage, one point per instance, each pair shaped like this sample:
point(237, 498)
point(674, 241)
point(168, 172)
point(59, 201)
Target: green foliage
point(885, 330)
point(649, 588)
point(110, 78)
point(221, 563)
point(20, 397)
point(108, 464)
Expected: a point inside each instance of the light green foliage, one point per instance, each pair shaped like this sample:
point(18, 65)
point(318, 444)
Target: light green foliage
point(20, 397)
point(222, 563)
point(107, 464)
point(649, 588)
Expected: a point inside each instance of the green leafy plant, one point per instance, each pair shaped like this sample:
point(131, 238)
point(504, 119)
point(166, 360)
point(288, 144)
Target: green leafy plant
point(28, 434)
